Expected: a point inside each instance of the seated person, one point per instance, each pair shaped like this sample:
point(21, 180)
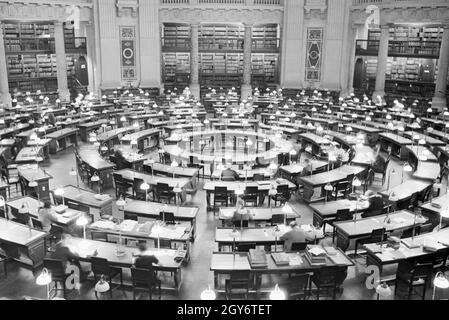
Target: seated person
point(376, 204)
point(229, 174)
point(47, 216)
point(241, 213)
point(69, 258)
point(295, 235)
point(379, 164)
point(143, 261)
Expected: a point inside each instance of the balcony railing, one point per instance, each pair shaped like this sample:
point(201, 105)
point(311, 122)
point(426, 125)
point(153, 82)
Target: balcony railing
point(230, 3)
point(75, 44)
point(396, 2)
point(429, 49)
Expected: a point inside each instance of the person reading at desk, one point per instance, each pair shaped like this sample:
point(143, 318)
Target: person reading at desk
point(376, 204)
point(142, 260)
point(229, 174)
point(296, 234)
point(47, 216)
point(241, 214)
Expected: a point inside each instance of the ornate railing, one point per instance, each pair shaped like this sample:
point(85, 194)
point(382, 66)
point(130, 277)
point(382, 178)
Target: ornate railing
point(259, 3)
point(393, 2)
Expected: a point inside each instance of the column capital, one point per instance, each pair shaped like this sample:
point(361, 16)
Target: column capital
point(248, 25)
point(58, 23)
point(195, 25)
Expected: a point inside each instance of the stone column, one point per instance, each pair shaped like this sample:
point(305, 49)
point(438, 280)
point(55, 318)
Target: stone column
point(247, 51)
point(439, 100)
point(61, 63)
point(5, 96)
point(90, 58)
point(382, 62)
point(353, 41)
point(194, 61)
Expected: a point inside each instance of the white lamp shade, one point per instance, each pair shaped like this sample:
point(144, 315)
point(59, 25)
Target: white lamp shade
point(102, 286)
point(441, 281)
point(208, 295)
point(144, 186)
point(277, 294)
point(82, 221)
point(59, 192)
point(383, 290)
point(44, 278)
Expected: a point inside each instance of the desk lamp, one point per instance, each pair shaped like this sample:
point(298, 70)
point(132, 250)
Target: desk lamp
point(82, 222)
point(174, 165)
point(177, 190)
point(102, 286)
point(393, 199)
point(286, 210)
point(440, 282)
point(406, 168)
point(443, 214)
point(121, 203)
point(383, 290)
point(60, 193)
point(277, 294)
point(44, 279)
point(208, 294)
point(145, 187)
point(95, 178)
point(328, 187)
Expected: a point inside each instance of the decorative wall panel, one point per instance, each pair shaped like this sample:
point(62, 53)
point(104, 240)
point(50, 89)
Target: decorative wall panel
point(128, 50)
point(314, 54)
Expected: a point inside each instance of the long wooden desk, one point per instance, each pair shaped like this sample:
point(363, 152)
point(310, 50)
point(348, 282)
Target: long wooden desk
point(22, 243)
point(405, 190)
point(409, 249)
point(225, 263)
point(142, 210)
point(263, 187)
point(433, 213)
point(144, 139)
point(182, 183)
point(63, 139)
point(32, 173)
point(430, 141)
point(324, 212)
point(257, 214)
point(310, 183)
point(66, 219)
point(92, 158)
point(97, 207)
point(30, 155)
point(85, 249)
point(397, 143)
point(88, 127)
point(350, 230)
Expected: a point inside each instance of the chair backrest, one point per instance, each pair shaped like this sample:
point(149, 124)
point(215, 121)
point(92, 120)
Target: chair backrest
point(326, 276)
point(240, 223)
point(54, 266)
point(282, 189)
point(240, 280)
point(377, 235)
point(37, 224)
point(245, 247)
point(163, 243)
point(251, 190)
point(343, 215)
point(277, 219)
point(221, 191)
point(137, 182)
point(258, 177)
point(167, 217)
point(100, 266)
point(163, 187)
point(143, 277)
point(298, 246)
point(422, 270)
point(99, 236)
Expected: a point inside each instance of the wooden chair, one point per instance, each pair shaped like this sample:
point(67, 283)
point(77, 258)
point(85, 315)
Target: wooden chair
point(165, 193)
point(101, 267)
point(419, 275)
point(138, 193)
point(277, 219)
point(342, 215)
point(325, 279)
point(299, 286)
point(56, 268)
point(239, 283)
point(298, 246)
point(251, 196)
point(221, 197)
point(145, 280)
point(377, 235)
point(167, 217)
point(245, 247)
point(282, 196)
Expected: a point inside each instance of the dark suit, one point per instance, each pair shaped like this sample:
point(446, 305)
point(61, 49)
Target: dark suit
point(375, 208)
point(229, 175)
point(145, 262)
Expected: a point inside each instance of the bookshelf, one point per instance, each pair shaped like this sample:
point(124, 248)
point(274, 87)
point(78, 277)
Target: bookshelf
point(176, 37)
point(264, 68)
point(31, 57)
